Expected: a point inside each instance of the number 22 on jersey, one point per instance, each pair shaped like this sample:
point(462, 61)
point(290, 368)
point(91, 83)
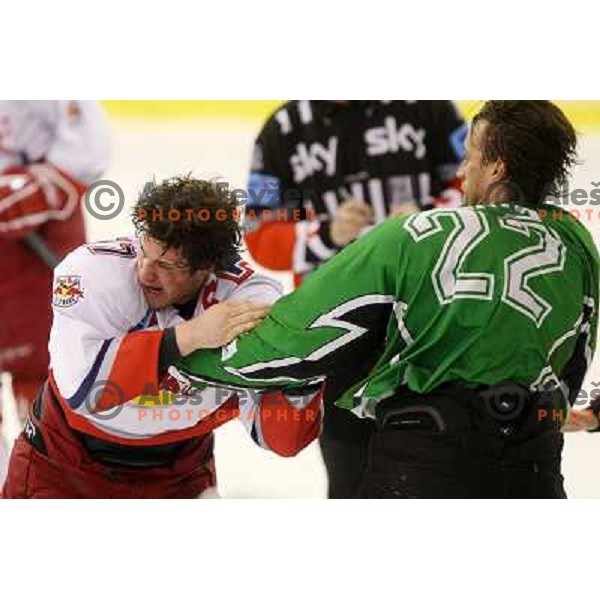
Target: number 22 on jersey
point(545, 255)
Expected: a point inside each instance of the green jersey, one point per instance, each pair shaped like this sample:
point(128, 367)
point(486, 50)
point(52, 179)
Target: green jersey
point(471, 296)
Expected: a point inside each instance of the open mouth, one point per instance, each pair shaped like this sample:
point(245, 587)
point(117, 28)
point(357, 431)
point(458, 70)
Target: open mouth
point(152, 291)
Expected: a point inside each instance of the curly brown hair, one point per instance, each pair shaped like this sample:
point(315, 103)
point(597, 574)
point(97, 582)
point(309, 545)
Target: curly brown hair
point(535, 141)
point(195, 216)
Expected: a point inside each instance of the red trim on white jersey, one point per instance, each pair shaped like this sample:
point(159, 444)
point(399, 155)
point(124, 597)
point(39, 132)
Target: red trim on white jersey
point(225, 413)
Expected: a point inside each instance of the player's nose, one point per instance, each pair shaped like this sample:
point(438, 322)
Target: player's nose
point(146, 273)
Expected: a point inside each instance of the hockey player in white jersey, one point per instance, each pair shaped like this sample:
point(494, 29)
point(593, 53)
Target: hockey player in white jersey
point(115, 418)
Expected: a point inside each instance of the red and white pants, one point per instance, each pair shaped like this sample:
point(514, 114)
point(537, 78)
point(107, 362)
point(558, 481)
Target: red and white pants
point(63, 468)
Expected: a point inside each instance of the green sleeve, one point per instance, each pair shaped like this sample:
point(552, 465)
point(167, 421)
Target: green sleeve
point(320, 325)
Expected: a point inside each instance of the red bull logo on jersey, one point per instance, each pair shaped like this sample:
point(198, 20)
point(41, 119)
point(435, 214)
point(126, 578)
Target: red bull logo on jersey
point(67, 291)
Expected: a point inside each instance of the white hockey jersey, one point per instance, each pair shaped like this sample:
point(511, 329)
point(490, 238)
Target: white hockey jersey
point(70, 134)
point(105, 341)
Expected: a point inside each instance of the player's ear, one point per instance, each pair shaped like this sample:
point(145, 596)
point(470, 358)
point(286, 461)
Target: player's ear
point(499, 171)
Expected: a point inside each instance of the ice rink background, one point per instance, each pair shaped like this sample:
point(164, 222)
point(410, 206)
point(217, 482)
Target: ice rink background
point(146, 149)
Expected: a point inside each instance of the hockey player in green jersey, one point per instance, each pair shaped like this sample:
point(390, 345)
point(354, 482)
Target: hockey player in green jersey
point(465, 333)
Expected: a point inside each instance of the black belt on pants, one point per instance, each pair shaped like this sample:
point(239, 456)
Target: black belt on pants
point(506, 409)
point(112, 454)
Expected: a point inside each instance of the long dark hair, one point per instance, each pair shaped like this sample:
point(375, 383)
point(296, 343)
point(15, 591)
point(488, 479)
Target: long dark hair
point(535, 141)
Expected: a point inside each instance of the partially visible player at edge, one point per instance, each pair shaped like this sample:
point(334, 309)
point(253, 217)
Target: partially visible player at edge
point(114, 420)
point(482, 321)
point(50, 151)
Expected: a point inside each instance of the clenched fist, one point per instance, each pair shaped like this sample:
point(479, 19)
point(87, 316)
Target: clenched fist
point(351, 217)
point(219, 325)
